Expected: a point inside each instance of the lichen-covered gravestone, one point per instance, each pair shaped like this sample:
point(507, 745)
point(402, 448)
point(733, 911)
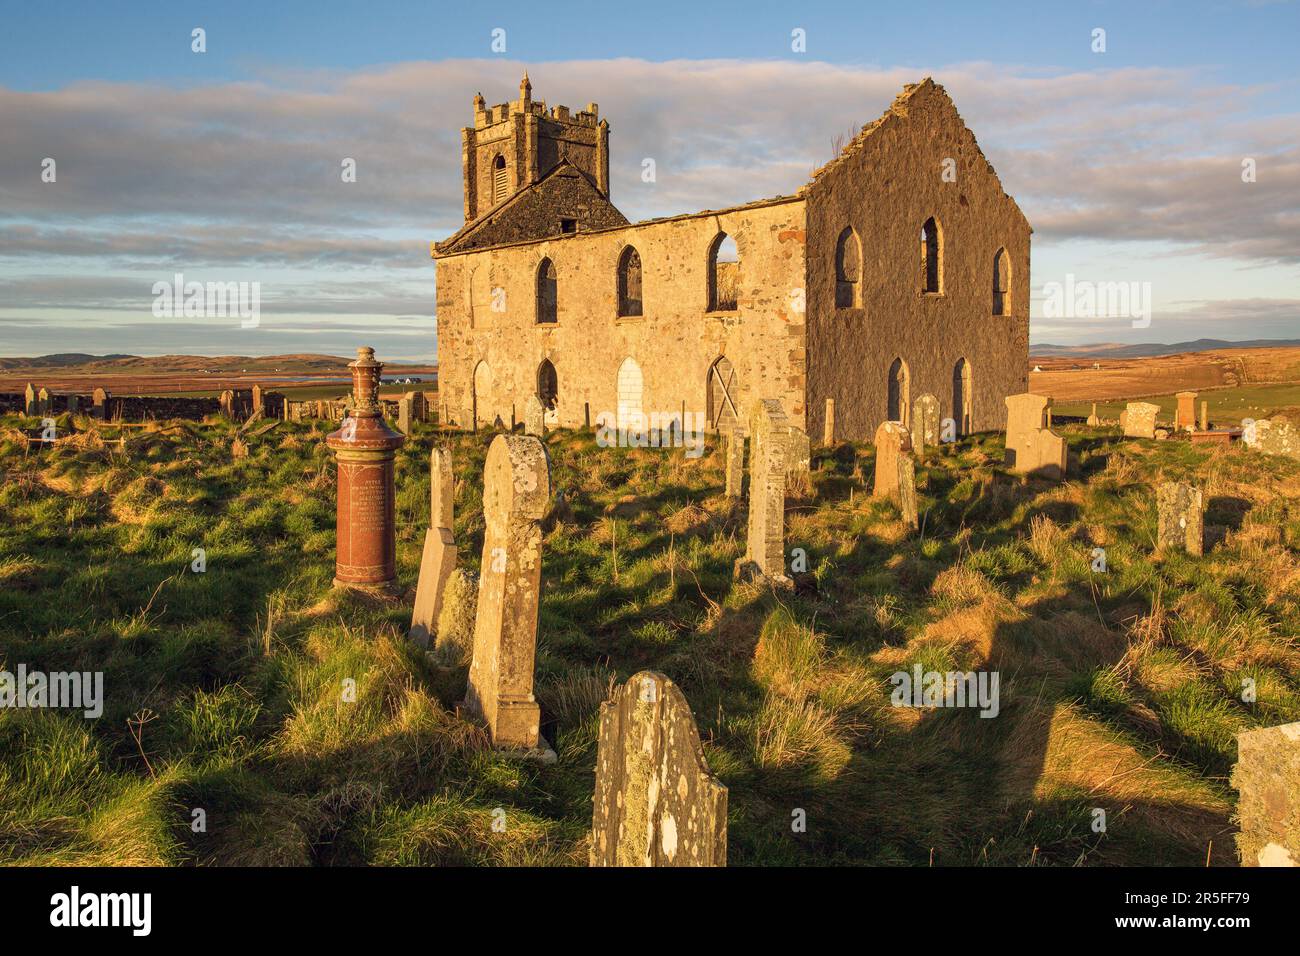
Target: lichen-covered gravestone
point(907, 491)
point(1032, 448)
point(769, 456)
point(656, 804)
point(1139, 420)
point(925, 424)
point(1267, 777)
point(534, 417)
point(1274, 436)
point(439, 558)
point(735, 460)
point(1180, 517)
point(892, 442)
point(516, 493)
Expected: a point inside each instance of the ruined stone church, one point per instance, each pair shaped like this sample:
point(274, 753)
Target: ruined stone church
point(900, 269)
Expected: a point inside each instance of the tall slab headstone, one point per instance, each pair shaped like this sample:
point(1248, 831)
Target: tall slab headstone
point(516, 492)
point(365, 448)
point(1185, 416)
point(769, 457)
point(405, 413)
point(1031, 447)
point(439, 558)
point(1267, 778)
point(828, 423)
point(925, 424)
point(534, 417)
point(656, 803)
point(735, 460)
point(1180, 518)
point(892, 441)
point(30, 404)
point(1139, 420)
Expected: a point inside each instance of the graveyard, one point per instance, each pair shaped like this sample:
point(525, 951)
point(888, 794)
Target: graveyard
point(313, 724)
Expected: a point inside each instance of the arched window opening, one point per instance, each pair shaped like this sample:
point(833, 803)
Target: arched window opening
point(547, 293)
point(724, 274)
point(848, 270)
point(1001, 282)
point(899, 393)
point(931, 257)
point(723, 395)
point(963, 397)
point(629, 283)
point(500, 179)
point(548, 388)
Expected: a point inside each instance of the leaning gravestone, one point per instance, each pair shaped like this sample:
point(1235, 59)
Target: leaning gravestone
point(439, 558)
point(1180, 518)
point(534, 417)
point(735, 460)
point(1267, 777)
point(925, 424)
point(516, 491)
point(907, 491)
point(656, 804)
point(1140, 420)
point(1032, 447)
point(769, 456)
point(892, 441)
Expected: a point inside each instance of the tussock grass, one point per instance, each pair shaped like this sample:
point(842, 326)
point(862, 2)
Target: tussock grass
point(308, 732)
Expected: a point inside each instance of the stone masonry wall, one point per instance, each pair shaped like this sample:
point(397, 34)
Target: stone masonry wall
point(885, 187)
point(674, 342)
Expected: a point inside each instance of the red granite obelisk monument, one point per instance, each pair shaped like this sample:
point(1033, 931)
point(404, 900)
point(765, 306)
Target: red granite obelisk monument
point(365, 446)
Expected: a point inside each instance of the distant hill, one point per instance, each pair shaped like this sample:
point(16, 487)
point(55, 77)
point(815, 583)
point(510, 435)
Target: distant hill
point(1152, 349)
point(164, 364)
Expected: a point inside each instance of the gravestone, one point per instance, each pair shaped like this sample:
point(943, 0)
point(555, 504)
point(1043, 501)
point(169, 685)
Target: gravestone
point(1267, 777)
point(417, 406)
point(1185, 416)
point(1205, 416)
point(925, 424)
point(1273, 436)
point(799, 469)
point(258, 401)
point(534, 417)
point(656, 803)
point(892, 442)
point(828, 424)
point(405, 409)
point(1180, 517)
point(99, 399)
point(516, 491)
point(907, 491)
point(45, 405)
point(439, 558)
point(735, 460)
point(1092, 418)
point(1031, 447)
point(30, 404)
point(1139, 420)
point(228, 403)
point(769, 457)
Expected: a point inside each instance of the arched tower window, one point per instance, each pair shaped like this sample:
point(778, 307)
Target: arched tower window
point(629, 282)
point(900, 402)
point(547, 293)
point(724, 274)
point(500, 179)
point(931, 257)
point(1001, 282)
point(548, 387)
point(848, 270)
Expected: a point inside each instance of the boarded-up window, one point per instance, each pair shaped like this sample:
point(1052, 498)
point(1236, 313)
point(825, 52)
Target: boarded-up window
point(547, 293)
point(848, 270)
point(629, 282)
point(1001, 285)
point(500, 180)
point(724, 274)
point(723, 395)
point(931, 257)
point(630, 387)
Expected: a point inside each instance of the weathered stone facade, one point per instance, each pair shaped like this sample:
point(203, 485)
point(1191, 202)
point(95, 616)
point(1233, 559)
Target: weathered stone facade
point(832, 300)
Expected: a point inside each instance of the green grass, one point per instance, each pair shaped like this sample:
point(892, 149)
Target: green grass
point(1228, 406)
point(225, 689)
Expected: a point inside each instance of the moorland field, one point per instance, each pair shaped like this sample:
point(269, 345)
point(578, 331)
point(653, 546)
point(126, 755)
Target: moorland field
point(1120, 690)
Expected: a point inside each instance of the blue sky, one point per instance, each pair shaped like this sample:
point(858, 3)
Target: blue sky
point(220, 165)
